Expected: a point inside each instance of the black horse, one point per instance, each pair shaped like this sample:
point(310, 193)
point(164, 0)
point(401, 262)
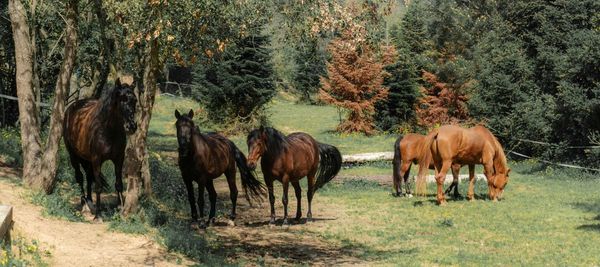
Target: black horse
point(94, 131)
point(204, 157)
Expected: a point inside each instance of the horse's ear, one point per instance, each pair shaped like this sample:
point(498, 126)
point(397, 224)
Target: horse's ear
point(191, 113)
point(118, 83)
point(508, 171)
point(177, 114)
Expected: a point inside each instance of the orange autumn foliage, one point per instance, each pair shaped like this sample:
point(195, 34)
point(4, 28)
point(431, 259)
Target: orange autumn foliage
point(354, 81)
point(441, 103)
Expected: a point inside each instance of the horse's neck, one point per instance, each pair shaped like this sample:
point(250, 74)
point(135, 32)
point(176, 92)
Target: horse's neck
point(272, 153)
point(500, 160)
point(110, 117)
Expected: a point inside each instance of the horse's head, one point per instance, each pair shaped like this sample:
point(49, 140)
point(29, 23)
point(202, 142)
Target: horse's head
point(126, 102)
point(185, 127)
point(257, 145)
point(497, 184)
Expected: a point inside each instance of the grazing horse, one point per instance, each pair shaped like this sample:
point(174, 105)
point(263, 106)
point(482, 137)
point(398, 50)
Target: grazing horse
point(406, 152)
point(94, 131)
point(477, 145)
point(204, 157)
point(290, 158)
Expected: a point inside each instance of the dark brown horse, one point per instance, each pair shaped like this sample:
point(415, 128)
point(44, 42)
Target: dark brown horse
point(406, 152)
point(290, 158)
point(94, 131)
point(454, 144)
point(204, 157)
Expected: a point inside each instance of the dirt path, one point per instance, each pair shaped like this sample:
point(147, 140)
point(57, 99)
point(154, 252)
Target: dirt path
point(80, 244)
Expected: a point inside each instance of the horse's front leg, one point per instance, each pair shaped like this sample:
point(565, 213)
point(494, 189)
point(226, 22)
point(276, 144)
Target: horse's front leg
point(298, 192)
point(190, 191)
point(286, 182)
point(269, 184)
point(212, 196)
point(99, 181)
point(119, 180)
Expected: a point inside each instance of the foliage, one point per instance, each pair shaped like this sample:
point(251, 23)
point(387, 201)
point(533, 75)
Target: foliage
point(311, 66)
point(354, 81)
point(22, 252)
point(10, 147)
point(237, 88)
point(441, 103)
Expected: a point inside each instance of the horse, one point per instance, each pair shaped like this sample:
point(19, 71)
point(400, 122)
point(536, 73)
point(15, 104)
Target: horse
point(204, 157)
point(94, 131)
point(477, 145)
point(406, 152)
point(289, 159)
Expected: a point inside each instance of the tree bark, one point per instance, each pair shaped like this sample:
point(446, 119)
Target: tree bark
point(106, 53)
point(136, 167)
point(39, 163)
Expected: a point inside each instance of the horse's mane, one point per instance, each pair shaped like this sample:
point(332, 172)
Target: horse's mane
point(276, 141)
point(500, 163)
point(104, 103)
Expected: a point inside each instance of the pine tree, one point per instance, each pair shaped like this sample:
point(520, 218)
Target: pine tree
point(354, 82)
point(238, 86)
point(310, 67)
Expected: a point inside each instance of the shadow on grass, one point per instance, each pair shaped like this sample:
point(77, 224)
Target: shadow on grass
point(592, 208)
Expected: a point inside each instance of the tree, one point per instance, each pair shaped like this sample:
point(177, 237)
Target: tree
point(237, 87)
point(441, 103)
point(311, 66)
point(354, 82)
point(39, 160)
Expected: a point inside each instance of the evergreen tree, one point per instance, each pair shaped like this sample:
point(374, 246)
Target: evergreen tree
point(310, 61)
point(238, 86)
point(354, 82)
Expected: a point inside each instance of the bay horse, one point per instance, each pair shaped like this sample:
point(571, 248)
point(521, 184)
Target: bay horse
point(206, 156)
point(477, 145)
point(94, 131)
point(289, 159)
point(406, 152)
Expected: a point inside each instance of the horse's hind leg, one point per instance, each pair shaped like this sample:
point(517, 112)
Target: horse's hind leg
point(212, 196)
point(233, 191)
point(96, 168)
point(455, 171)
point(298, 192)
point(311, 192)
point(439, 178)
point(470, 192)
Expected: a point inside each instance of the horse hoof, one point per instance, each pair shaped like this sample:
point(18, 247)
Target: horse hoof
point(231, 223)
point(285, 222)
point(409, 195)
point(442, 203)
point(97, 219)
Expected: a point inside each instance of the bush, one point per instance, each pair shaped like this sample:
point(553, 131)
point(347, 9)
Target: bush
point(10, 147)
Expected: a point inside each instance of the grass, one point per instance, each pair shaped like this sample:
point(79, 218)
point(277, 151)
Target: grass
point(548, 217)
point(542, 221)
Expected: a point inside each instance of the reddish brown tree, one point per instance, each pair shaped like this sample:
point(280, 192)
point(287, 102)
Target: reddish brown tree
point(355, 81)
point(441, 103)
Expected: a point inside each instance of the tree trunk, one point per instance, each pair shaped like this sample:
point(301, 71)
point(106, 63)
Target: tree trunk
point(106, 53)
point(136, 167)
point(40, 164)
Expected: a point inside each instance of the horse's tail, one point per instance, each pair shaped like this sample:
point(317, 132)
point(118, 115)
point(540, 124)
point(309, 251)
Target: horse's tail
point(253, 188)
point(329, 164)
point(397, 163)
point(425, 159)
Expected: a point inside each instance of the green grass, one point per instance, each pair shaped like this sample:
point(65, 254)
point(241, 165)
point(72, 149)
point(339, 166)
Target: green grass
point(541, 221)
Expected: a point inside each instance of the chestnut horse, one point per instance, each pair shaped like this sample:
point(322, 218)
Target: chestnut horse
point(477, 145)
point(406, 152)
point(94, 131)
point(290, 158)
point(204, 157)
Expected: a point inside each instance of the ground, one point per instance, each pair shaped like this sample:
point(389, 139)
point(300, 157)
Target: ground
point(547, 216)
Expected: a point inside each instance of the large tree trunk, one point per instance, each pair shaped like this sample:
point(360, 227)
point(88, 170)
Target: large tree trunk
point(40, 164)
point(136, 167)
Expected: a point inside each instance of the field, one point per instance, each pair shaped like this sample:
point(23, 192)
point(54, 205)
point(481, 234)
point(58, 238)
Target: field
point(547, 217)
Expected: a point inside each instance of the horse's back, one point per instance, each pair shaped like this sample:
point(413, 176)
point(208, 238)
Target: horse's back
point(464, 145)
point(212, 154)
point(77, 128)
